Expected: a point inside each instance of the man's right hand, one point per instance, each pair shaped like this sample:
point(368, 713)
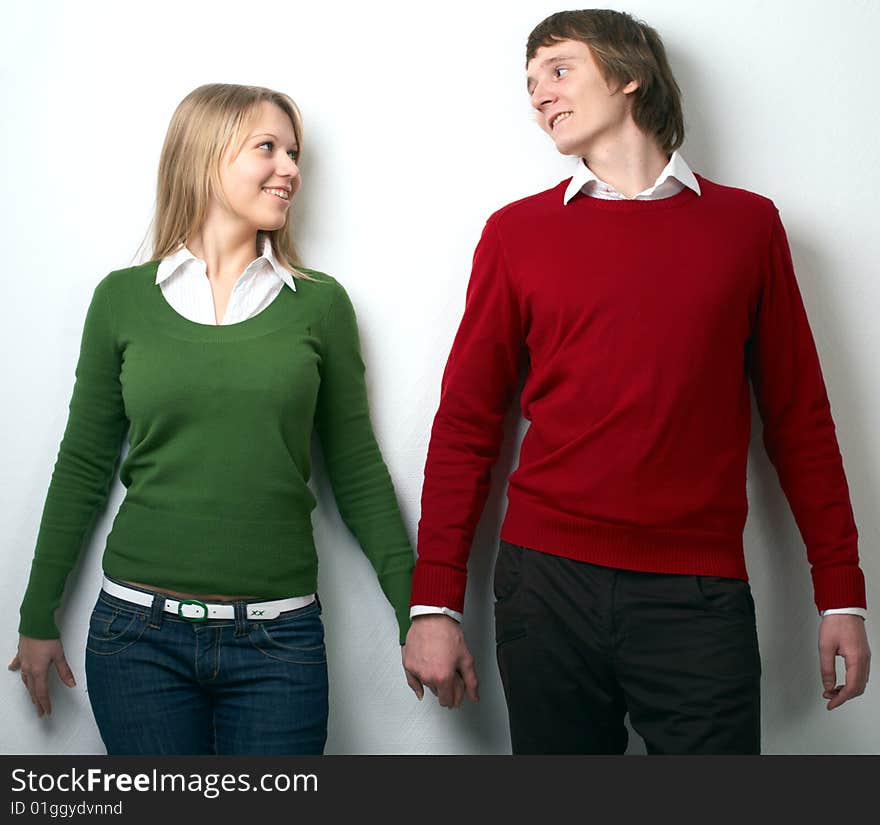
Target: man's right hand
point(34, 659)
point(436, 655)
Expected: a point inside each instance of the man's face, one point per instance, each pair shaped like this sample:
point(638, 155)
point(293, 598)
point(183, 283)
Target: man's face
point(574, 104)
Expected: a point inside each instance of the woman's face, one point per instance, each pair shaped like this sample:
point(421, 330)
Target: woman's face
point(261, 180)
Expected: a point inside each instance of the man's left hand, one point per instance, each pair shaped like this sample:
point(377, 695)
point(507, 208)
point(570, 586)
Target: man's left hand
point(841, 634)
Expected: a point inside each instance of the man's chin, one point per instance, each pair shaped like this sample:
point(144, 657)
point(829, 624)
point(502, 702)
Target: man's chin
point(566, 147)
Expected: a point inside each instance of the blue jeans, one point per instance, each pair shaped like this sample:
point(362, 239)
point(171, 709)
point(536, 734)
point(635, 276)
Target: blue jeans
point(161, 685)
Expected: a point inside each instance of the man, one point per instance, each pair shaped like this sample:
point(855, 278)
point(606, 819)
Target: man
point(643, 299)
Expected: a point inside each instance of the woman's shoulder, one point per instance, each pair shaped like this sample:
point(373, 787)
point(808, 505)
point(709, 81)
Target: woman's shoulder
point(314, 276)
point(332, 304)
point(128, 279)
point(323, 288)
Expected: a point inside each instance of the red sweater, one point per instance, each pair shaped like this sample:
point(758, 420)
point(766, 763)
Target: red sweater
point(640, 324)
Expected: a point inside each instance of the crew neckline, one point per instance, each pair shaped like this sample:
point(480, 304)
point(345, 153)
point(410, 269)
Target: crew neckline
point(683, 198)
point(157, 308)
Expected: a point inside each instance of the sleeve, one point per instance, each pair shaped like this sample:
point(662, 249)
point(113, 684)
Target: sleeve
point(358, 475)
point(799, 432)
point(84, 469)
point(479, 382)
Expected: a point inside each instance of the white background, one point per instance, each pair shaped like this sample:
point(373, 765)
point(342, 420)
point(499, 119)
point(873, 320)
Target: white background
point(417, 127)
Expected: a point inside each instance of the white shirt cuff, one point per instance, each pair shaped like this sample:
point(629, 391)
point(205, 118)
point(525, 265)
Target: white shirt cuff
point(852, 611)
point(425, 610)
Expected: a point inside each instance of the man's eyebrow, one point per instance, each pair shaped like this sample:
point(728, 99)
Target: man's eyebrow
point(560, 58)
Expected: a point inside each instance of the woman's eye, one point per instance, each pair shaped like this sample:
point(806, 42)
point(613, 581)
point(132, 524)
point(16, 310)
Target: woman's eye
point(560, 71)
point(293, 154)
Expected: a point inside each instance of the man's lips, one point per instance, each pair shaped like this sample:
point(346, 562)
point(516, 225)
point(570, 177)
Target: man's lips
point(556, 119)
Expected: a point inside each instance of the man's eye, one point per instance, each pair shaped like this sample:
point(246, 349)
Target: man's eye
point(560, 71)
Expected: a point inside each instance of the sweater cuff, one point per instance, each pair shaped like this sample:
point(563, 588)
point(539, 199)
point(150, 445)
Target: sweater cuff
point(839, 587)
point(396, 587)
point(38, 625)
point(41, 599)
point(439, 584)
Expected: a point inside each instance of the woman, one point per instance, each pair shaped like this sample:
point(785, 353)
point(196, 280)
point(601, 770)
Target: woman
point(208, 618)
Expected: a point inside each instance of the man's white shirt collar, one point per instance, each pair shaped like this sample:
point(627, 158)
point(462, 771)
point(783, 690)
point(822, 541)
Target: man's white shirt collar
point(170, 265)
point(584, 179)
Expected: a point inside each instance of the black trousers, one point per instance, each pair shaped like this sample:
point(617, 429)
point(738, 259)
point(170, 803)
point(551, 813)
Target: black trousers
point(581, 645)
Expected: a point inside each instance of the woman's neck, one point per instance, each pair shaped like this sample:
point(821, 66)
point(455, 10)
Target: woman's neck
point(225, 251)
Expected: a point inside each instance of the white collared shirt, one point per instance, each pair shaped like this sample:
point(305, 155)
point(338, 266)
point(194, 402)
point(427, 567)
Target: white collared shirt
point(676, 175)
point(183, 279)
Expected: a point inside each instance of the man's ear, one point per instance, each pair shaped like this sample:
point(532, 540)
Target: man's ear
point(630, 87)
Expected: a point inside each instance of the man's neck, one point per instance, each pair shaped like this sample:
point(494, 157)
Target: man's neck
point(630, 162)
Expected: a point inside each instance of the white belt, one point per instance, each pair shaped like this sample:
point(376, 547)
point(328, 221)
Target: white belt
point(194, 610)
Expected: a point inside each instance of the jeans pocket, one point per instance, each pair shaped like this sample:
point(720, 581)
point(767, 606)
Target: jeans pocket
point(113, 629)
point(510, 618)
point(508, 571)
point(297, 638)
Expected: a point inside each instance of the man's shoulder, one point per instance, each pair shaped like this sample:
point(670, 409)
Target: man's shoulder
point(531, 206)
point(734, 197)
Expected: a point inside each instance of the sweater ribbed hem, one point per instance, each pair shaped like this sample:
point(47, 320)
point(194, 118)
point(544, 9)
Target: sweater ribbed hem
point(265, 559)
point(650, 550)
point(627, 548)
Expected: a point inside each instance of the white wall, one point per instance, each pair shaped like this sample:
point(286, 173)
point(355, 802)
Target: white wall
point(417, 128)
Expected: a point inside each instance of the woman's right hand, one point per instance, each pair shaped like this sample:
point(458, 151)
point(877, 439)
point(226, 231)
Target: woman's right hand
point(35, 658)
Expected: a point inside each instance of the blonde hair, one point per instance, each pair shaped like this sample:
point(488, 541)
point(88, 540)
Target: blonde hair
point(207, 122)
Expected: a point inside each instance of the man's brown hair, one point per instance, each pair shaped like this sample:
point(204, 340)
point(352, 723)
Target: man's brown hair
point(625, 49)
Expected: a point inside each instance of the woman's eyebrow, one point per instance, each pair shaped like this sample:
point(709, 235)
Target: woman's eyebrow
point(267, 134)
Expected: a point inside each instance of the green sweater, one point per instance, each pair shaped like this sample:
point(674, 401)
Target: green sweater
point(219, 422)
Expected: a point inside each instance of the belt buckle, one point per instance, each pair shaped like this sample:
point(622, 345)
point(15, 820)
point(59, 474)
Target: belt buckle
point(197, 603)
